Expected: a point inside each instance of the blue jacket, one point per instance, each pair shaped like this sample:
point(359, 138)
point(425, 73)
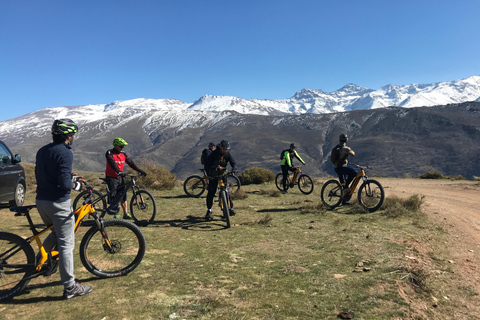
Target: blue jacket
point(53, 171)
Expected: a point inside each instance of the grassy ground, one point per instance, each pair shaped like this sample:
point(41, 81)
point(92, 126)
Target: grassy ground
point(285, 257)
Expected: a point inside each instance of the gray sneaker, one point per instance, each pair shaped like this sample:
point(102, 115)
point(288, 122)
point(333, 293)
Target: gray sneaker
point(77, 290)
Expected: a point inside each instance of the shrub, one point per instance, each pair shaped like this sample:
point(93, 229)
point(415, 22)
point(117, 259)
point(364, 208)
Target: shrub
point(431, 175)
point(240, 194)
point(158, 177)
point(457, 177)
point(255, 175)
point(396, 207)
point(476, 178)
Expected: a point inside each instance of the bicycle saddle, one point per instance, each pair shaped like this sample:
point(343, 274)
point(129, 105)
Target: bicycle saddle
point(23, 210)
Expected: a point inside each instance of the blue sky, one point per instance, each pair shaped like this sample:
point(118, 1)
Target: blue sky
point(65, 52)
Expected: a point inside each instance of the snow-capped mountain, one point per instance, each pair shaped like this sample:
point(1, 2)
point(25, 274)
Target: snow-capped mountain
point(171, 131)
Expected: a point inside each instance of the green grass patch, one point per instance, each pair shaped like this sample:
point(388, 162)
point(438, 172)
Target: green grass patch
point(285, 257)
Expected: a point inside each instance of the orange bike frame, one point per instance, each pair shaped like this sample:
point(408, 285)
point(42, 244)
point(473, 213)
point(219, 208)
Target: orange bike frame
point(80, 213)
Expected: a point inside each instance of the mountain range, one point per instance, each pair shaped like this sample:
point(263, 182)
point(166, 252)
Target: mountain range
point(397, 129)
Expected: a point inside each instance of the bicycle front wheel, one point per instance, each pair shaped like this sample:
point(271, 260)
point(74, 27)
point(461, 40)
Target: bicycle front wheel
point(194, 186)
point(233, 183)
point(225, 207)
point(305, 184)
point(17, 263)
point(331, 194)
point(143, 207)
point(278, 182)
point(122, 256)
point(371, 195)
point(100, 205)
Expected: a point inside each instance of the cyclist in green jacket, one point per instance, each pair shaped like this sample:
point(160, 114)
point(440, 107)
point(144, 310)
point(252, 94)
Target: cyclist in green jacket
point(286, 164)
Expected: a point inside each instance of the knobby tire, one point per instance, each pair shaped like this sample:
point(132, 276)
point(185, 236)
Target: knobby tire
point(305, 184)
point(225, 207)
point(143, 207)
point(278, 182)
point(128, 243)
point(371, 195)
point(100, 206)
point(233, 184)
point(331, 194)
point(194, 186)
point(13, 279)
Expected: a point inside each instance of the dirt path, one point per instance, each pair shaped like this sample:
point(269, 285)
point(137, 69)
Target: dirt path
point(455, 205)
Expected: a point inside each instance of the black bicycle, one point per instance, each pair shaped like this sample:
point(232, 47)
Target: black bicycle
point(195, 185)
point(143, 207)
point(224, 198)
point(110, 248)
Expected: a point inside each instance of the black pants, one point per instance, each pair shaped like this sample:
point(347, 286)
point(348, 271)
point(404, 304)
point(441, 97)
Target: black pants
point(349, 172)
point(285, 170)
point(212, 190)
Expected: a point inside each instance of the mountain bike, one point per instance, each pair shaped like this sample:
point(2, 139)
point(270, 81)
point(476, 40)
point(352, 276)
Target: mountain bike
point(305, 183)
point(224, 197)
point(370, 194)
point(110, 248)
point(195, 185)
point(143, 207)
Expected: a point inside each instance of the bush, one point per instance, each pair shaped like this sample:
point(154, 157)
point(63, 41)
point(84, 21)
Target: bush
point(457, 177)
point(256, 175)
point(431, 175)
point(158, 177)
point(240, 194)
point(395, 207)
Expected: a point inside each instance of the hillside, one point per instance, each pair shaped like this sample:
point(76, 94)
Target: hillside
point(395, 141)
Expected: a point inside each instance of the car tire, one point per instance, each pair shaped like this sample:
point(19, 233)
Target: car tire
point(19, 195)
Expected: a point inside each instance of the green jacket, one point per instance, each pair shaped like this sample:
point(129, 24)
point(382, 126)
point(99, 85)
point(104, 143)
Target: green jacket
point(288, 157)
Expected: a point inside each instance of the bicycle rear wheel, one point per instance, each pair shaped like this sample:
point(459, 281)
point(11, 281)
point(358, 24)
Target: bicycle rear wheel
point(127, 249)
point(100, 206)
point(278, 182)
point(371, 195)
point(143, 207)
point(194, 186)
point(305, 184)
point(233, 183)
point(225, 207)
point(331, 194)
point(17, 263)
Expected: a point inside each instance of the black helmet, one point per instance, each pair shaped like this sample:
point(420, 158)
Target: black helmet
point(343, 137)
point(64, 127)
point(211, 144)
point(292, 146)
point(224, 144)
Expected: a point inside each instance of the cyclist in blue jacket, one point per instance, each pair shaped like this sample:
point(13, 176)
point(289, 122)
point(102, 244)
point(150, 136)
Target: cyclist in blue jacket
point(53, 171)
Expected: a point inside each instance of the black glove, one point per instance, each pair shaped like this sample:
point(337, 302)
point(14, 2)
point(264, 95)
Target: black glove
point(143, 173)
point(122, 174)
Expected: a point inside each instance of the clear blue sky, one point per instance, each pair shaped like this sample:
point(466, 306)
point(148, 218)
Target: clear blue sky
point(66, 52)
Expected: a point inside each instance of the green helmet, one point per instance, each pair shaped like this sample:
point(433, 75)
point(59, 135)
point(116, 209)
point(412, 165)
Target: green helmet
point(343, 137)
point(119, 142)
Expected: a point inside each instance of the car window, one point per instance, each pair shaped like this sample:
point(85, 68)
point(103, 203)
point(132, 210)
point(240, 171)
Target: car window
point(5, 156)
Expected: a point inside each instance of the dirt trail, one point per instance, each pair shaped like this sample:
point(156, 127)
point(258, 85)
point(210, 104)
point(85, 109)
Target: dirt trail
point(454, 202)
point(455, 205)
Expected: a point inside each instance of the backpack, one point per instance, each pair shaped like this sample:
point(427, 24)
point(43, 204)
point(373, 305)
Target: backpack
point(335, 155)
point(283, 154)
point(203, 156)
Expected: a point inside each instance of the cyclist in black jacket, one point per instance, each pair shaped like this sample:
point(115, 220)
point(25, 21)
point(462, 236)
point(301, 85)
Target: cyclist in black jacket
point(215, 166)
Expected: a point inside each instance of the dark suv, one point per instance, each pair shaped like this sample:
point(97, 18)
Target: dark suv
point(12, 177)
